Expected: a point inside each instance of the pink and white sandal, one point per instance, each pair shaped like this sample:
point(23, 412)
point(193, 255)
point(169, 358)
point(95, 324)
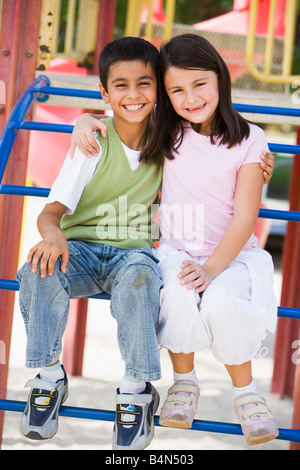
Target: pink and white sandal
point(257, 422)
point(179, 409)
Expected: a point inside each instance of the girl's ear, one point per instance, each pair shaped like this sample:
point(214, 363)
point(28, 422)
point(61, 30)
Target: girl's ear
point(104, 94)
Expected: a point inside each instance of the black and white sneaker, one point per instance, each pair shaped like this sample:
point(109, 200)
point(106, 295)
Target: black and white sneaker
point(134, 423)
point(40, 418)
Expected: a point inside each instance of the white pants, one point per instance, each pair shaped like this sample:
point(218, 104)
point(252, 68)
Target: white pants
point(232, 316)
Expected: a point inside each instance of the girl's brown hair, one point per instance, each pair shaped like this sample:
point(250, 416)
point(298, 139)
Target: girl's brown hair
point(190, 51)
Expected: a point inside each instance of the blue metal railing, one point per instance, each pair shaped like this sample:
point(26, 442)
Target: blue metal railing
point(39, 91)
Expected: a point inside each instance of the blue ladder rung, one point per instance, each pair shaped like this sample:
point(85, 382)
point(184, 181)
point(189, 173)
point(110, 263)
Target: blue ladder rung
point(285, 312)
point(106, 415)
point(23, 190)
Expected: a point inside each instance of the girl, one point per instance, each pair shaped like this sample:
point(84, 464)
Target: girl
point(217, 283)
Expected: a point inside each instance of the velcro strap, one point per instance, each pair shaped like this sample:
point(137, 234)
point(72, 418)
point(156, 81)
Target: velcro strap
point(183, 388)
point(134, 399)
point(178, 399)
point(260, 410)
point(249, 399)
point(41, 384)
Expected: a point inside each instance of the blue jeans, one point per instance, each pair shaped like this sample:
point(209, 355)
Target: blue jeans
point(132, 279)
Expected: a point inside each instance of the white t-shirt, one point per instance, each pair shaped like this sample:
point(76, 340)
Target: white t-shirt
point(77, 172)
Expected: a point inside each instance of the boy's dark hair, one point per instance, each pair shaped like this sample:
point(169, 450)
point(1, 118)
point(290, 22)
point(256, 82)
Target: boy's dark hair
point(127, 49)
point(190, 51)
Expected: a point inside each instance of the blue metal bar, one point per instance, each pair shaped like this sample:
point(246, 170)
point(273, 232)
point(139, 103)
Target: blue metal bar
point(284, 148)
point(106, 415)
point(23, 190)
point(289, 312)
point(250, 108)
point(285, 312)
point(9, 134)
point(43, 126)
point(48, 90)
point(292, 216)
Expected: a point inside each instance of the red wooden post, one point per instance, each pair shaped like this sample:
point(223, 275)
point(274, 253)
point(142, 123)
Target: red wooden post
point(106, 28)
point(288, 329)
point(296, 414)
point(74, 337)
point(18, 55)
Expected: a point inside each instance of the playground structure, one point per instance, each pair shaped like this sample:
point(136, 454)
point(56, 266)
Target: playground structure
point(18, 74)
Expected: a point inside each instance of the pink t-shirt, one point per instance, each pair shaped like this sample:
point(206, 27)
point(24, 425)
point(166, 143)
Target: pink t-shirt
point(198, 191)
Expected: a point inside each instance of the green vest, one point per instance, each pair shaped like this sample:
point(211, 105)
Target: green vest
point(118, 205)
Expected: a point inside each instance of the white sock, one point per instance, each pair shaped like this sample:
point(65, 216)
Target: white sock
point(251, 388)
point(52, 373)
point(132, 386)
point(188, 376)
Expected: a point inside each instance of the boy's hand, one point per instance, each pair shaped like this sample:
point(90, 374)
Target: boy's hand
point(48, 251)
point(197, 276)
point(267, 165)
point(83, 135)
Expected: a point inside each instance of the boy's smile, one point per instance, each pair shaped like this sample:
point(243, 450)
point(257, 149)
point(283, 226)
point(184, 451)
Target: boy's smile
point(131, 91)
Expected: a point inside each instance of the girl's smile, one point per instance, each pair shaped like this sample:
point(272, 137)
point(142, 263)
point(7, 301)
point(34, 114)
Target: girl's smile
point(194, 94)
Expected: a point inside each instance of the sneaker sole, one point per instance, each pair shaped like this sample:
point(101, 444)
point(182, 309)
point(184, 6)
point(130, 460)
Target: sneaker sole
point(261, 440)
point(169, 423)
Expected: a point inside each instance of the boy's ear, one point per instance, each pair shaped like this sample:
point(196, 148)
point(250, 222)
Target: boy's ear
point(104, 94)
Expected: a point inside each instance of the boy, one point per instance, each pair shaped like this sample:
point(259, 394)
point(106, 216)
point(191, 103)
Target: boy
point(96, 229)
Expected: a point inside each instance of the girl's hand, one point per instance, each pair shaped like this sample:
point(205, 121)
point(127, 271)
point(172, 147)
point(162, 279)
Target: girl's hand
point(195, 276)
point(267, 166)
point(83, 135)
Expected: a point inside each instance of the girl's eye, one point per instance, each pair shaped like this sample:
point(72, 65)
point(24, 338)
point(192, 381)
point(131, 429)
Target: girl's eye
point(200, 84)
point(143, 84)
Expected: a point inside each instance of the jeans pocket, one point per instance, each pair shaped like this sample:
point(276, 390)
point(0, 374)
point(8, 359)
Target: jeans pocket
point(74, 251)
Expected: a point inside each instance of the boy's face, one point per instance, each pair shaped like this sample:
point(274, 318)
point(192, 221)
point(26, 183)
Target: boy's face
point(131, 90)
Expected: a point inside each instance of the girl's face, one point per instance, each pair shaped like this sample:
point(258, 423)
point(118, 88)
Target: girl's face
point(194, 95)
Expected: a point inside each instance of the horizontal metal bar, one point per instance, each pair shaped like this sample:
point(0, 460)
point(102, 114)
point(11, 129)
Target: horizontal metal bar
point(292, 216)
point(289, 312)
point(43, 126)
point(66, 128)
point(8, 284)
point(285, 312)
point(273, 110)
point(48, 90)
point(23, 190)
point(243, 108)
point(107, 415)
point(284, 148)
